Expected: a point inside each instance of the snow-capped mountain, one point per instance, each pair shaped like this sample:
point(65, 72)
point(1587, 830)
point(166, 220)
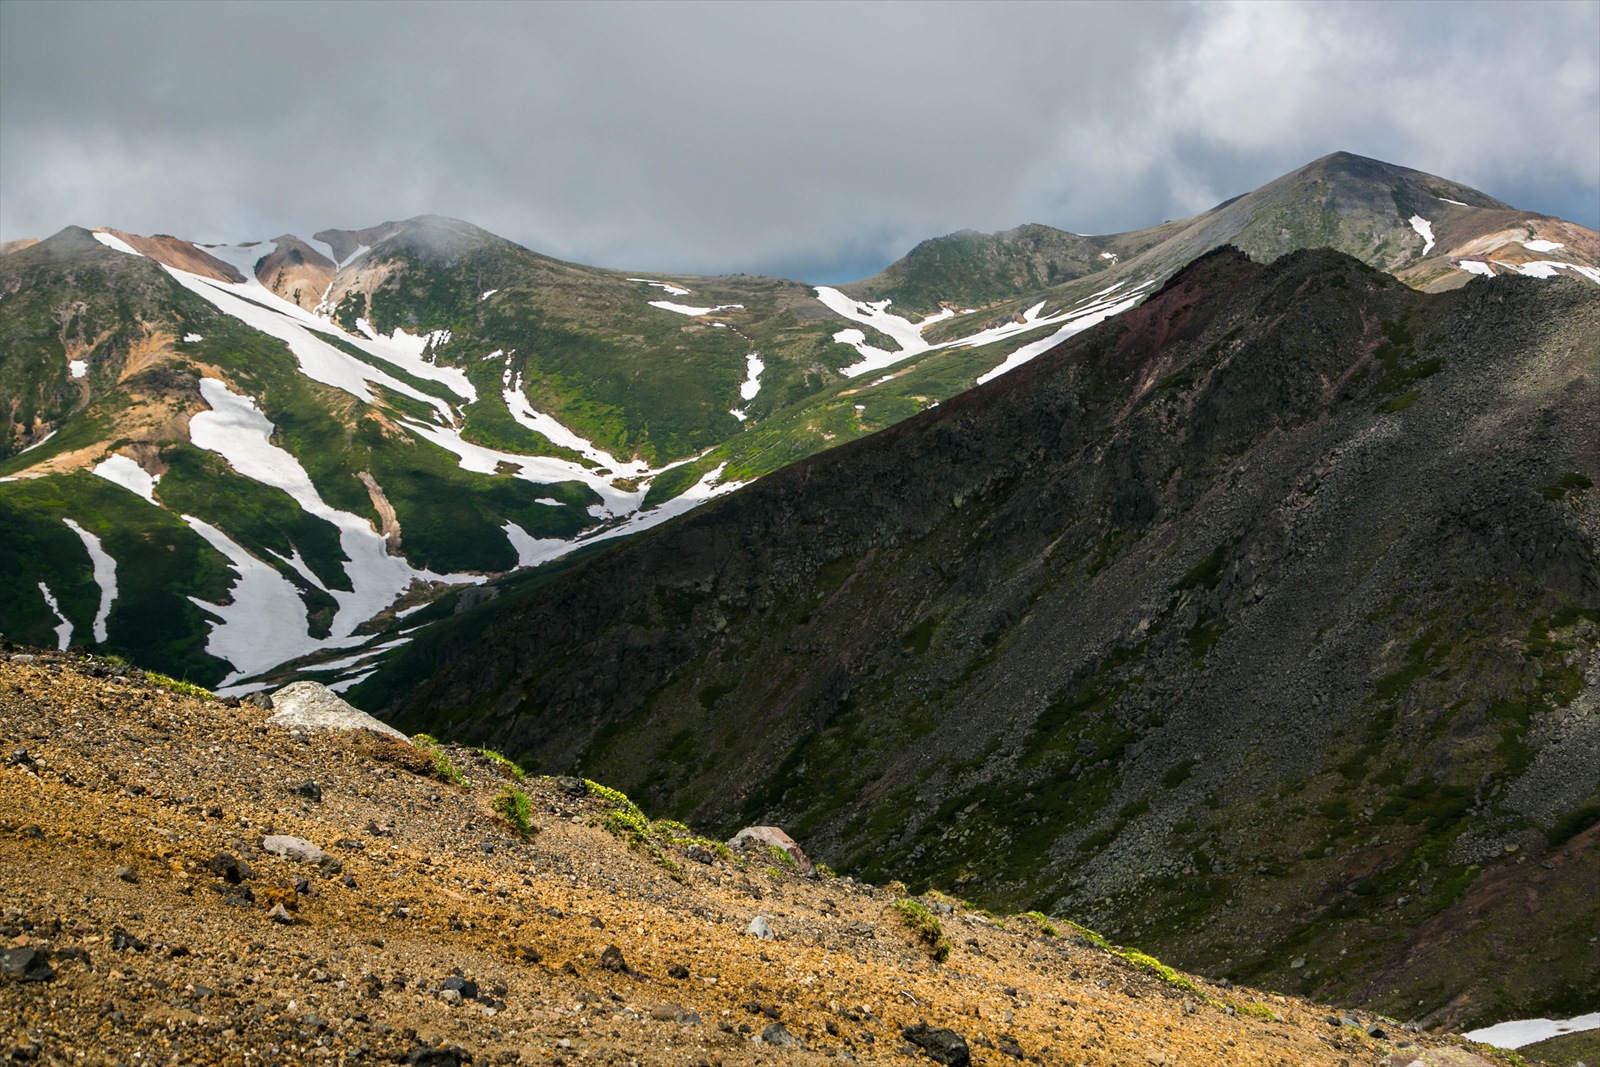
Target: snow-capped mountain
point(222, 460)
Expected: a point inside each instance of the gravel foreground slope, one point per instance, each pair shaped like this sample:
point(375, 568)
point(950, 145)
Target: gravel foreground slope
point(138, 901)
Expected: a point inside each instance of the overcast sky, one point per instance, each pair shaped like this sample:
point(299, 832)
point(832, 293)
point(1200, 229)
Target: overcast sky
point(812, 140)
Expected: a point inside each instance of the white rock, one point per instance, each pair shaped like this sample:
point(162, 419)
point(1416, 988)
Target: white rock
point(313, 706)
point(759, 927)
point(295, 848)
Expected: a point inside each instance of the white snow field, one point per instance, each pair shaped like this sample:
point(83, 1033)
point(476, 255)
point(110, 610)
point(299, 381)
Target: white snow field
point(264, 623)
point(1522, 1032)
point(1545, 268)
point(120, 470)
point(671, 290)
point(105, 576)
point(1476, 266)
point(909, 335)
point(751, 384)
point(77, 367)
point(112, 241)
point(238, 432)
point(685, 309)
point(1424, 228)
point(1542, 246)
point(1077, 322)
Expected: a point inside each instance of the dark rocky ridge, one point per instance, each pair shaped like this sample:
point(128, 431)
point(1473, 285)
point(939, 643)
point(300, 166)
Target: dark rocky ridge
point(1263, 615)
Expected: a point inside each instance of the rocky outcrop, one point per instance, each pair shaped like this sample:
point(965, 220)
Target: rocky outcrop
point(312, 706)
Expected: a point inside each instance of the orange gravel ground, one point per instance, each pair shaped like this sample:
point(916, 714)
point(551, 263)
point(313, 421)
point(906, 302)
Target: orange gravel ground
point(116, 773)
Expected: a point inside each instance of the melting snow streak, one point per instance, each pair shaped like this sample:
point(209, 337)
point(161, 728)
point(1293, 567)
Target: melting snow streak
point(1425, 229)
point(105, 576)
point(63, 631)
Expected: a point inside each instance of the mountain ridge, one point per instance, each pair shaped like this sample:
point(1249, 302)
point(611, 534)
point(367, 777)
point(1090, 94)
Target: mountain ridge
point(1142, 514)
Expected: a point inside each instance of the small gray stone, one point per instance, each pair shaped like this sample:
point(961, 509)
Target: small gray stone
point(777, 1035)
point(450, 996)
point(759, 927)
point(26, 964)
point(280, 914)
point(126, 873)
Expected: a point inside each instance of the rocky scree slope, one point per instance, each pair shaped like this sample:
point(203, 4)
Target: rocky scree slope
point(1257, 625)
point(183, 882)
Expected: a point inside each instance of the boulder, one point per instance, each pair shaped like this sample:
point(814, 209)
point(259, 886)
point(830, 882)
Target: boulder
point(771, 836)
point(941, 1045)
point(313, 706)
point(294, 848)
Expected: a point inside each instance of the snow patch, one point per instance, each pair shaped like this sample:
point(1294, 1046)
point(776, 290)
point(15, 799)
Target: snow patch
point(487, 293)
point(685, 309)
point(1079, 322)
point(751, 384)
point(343, 686)
point(121, 470)
point(78, 368)
point(238, 432)
point(1522, 1032)
point(105, 576)
point(1542, 246)
point(112, 241)
point(1457, 203)
point(1425, 229)
point(1476, 266)
point(265, 622)
point(64, 630)
point(909, 336)
point(532, 551)
point(192, 338)
point(1547, 269)
point(547, 427)
point(671, 290)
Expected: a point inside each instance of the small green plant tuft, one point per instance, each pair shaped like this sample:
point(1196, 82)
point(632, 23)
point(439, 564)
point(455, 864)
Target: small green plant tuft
point(925, 925)
point(442, 768)
point(1151, 965)
point(1087, 934)
point(825, 871)
point(782, 856)
point(1046, 925)
point(626, 821)
point(512, 803)
point(1255, 1011)
point(505, 766)
point(188, 689)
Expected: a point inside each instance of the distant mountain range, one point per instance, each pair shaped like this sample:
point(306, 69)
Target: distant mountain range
point(240, 463)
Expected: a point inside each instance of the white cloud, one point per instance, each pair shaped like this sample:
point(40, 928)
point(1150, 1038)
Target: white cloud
point(793, 138)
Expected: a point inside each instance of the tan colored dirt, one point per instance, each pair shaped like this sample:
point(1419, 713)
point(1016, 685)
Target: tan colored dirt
point(116, 797)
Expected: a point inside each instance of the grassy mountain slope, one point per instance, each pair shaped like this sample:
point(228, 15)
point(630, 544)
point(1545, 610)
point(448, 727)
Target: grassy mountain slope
point(103, 352)
point(1259, 622)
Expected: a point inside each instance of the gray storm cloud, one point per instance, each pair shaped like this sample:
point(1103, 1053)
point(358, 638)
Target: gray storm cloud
point(811, 140)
